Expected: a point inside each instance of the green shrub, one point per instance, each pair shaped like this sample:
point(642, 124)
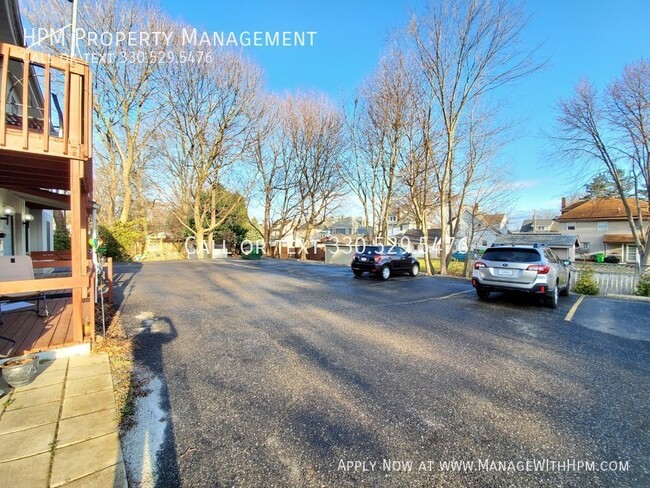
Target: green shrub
point(61, 240)
point(586, 284)
point(122, 241)
point(643, 287)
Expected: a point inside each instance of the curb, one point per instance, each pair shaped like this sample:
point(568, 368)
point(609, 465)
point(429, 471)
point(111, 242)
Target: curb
point(634, 298)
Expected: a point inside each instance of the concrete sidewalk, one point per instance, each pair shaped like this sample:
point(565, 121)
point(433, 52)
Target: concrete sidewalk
point(61, 429)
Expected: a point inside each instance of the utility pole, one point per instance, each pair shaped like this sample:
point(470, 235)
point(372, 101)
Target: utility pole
point(73, 39)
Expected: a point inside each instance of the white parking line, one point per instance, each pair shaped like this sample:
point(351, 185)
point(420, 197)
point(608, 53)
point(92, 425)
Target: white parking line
point(572, 312)
point(244, 266)
point(454, 294)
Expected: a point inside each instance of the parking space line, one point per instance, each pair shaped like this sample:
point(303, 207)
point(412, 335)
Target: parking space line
point(457, 293)
point(244, 266)
point(573, 309)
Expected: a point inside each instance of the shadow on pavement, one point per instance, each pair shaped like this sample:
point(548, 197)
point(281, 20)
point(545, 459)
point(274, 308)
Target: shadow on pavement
point(149, 445)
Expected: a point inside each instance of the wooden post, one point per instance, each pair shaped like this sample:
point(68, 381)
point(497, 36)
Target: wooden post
point(4, 80)
point(77, 208)
point(109, 279)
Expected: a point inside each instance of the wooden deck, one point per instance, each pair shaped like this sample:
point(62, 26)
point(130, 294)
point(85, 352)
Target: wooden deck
point(36, 334)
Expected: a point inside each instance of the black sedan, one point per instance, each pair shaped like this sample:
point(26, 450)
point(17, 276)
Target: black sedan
point(384, 261)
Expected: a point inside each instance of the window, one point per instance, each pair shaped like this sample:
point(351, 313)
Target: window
point(510, 255)
point(631, 254)
point(570, 226)
point(602, 225)
point(585, 246)
point(484, 242)
point(551, 256)
point(392, 218)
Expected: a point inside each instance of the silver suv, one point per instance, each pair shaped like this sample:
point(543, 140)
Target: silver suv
point(531, 269)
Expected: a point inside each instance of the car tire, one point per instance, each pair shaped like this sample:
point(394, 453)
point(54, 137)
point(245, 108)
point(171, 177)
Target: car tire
point(482, 294)
point(415, 269)
point(566, 291)
point(552, 301)
point(385, 272)
point(357, 272)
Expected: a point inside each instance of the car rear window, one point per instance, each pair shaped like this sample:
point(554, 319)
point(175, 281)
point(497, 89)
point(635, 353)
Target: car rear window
point(512, 255)
point(369, 249)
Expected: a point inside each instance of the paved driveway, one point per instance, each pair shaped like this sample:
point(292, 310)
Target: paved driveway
point(278, 373)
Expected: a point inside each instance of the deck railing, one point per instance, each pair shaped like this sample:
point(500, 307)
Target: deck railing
point(45, 104)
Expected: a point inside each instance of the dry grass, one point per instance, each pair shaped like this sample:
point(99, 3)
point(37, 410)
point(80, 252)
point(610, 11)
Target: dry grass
point(120, 351)
point(455, 268)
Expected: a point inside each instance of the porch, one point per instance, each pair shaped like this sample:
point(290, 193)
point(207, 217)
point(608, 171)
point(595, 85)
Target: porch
point(33, 333)
point(38, 334)
point(46, 164)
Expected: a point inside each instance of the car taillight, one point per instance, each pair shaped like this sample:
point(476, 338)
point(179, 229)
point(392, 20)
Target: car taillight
point(540, 268)
point(377, 259)
point(479, 265)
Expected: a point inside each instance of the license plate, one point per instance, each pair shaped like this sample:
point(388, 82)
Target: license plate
point(504, 272)
point(364, 259)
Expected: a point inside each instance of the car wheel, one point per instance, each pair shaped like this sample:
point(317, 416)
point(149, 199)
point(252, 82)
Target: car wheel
point(567, 289)
point(482, 294)
point(357, 272)
point(551, 302)
point(385, 273)
point(415, 270)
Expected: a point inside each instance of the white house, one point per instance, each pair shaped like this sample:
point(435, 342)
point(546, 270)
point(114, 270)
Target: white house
point(479, 230)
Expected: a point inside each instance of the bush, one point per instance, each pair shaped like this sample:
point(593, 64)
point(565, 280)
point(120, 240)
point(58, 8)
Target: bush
point(643, 287)
point(586, 284)
point(122, 241)
point(61, 240)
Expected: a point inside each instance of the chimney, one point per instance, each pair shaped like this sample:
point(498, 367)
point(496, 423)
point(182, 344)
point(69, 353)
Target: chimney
point(563, 203)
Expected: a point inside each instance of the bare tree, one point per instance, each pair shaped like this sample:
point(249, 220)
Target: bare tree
point(314, 128)
point(124, 84)
point(378, 129)
point(277, 185)
point(466, 49)
point(613, 132)
point(212, 111)
point(421, 162)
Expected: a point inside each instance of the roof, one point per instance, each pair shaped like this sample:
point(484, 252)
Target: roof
point(550, 239)
point(347, 222)
point(493, 219)
point(414, 235)
point(11, 27)
point(342, 238)
point(601, 209)
point(527, 225)
point(618, 239)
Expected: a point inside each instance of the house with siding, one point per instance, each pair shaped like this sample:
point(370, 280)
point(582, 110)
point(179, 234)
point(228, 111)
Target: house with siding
point(478, 231)
point(539, 225)
point(45, 164)
point(564, 245)
point(602, 226)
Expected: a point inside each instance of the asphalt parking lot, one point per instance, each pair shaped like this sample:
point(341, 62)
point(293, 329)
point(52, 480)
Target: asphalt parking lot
point(279, 373)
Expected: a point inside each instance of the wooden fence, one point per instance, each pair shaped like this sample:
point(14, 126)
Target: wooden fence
point(617, 279)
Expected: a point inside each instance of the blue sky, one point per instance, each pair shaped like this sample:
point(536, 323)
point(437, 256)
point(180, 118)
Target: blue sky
point(580, 38)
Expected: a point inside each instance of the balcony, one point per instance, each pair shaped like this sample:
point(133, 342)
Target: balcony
point(45, 106)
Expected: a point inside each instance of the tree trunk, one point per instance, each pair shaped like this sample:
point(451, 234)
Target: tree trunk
point(59, 219)
point(126, 201)
point(303, 249)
